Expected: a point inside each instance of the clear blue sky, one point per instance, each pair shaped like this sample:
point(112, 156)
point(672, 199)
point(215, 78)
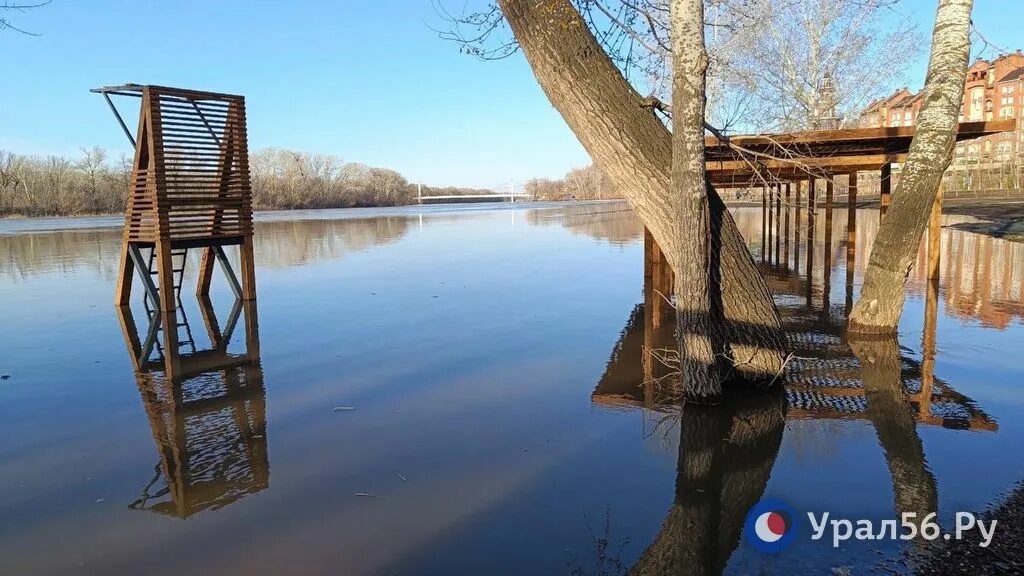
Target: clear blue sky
point(367, 80)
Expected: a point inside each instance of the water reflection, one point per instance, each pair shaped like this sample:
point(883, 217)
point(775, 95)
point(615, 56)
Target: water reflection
point(281, 242)
point(601, 221)
point(479, 446)
point(831, 377)
point(726, 455)
point(206, 408)
point(278, 244)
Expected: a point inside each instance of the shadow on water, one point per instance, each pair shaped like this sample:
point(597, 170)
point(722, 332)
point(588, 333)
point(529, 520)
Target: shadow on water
point(206, 408)
point(726, 453)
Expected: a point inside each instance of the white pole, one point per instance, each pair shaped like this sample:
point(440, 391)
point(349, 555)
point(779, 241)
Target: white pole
point(419, 193)
point(511, 192)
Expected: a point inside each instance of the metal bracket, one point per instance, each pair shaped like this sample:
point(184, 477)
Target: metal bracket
point(229, 272)
point(143, 271)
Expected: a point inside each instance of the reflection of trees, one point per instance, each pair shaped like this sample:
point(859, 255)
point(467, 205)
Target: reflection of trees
point(829, 380)
point(293, 242)
point(726, 454)
point(611, 222)
point(894, 422)
point(279, 243)
point(23, 256)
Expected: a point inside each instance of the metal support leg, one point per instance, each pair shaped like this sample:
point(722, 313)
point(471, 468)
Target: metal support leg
point(229, 272)
point(143, 271)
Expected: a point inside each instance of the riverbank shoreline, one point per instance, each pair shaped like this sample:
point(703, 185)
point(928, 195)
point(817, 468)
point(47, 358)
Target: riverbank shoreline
point(93, 222)
point(996, 217)
point(1003, 555)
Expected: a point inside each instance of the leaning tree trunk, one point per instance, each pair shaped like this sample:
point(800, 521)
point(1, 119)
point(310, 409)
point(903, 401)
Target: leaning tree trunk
point(634, 149)
point(692, 223)
point(895, 248)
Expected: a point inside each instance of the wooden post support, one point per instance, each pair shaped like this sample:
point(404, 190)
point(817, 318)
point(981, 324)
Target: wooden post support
point(770, 206)
point(764, 221)
point(778, 220)
point(812, 197)
point(851, 239)
point(785, 236)
point(647, 359)
point(796, 228)
point(248, 261)
point(252, 331)
point(172, 357)
point(928, 340)
point(934, 237)
point(826, 269)
point(656, 284)
point(885, 189)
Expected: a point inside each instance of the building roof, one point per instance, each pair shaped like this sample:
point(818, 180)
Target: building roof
point(1013, 75)
point(886, 100)
point(908, 101)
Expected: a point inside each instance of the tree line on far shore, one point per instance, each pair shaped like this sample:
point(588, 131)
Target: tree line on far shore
point(95, 183)
point(587, 183)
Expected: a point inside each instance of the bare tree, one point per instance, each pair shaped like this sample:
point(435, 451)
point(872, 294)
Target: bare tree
point(767, 58)
point(92, 166)
point(8, 181)
point(694, 291)
point(587, 183)
point(7, 8)
point(632, 146)
point(899, 236)
point(773, 72)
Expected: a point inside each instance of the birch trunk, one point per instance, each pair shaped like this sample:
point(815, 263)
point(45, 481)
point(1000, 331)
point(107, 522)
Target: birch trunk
point(880, 304)
point(634, 150)
point(692, 223)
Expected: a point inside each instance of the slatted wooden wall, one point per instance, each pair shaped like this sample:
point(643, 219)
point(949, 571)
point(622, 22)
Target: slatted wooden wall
point(190, 181)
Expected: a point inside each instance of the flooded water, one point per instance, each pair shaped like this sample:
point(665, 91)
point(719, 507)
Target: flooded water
point(470, 390)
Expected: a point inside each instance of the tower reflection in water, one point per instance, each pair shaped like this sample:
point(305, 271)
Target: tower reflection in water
point(726, 452)
point(206, 408)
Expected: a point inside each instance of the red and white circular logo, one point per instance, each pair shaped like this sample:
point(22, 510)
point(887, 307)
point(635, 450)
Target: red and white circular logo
point(769, 525)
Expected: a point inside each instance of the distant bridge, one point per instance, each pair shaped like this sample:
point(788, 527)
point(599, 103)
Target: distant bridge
point(513, 197)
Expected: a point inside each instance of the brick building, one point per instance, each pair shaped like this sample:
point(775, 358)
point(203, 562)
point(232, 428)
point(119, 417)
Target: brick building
point(994, 91)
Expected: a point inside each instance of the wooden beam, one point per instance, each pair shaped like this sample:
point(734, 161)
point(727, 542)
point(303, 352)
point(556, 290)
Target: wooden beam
point(965, 130)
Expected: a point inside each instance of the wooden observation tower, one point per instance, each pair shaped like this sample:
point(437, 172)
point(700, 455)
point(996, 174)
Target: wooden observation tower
point(189, 189)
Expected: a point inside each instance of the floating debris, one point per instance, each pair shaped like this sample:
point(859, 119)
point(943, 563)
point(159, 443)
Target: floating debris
point(403, 478)
point(366, 495)
point(4, 376)
point(343, 408)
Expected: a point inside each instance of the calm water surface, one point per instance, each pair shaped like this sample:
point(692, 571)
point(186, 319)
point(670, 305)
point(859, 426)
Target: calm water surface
point(461, 391)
